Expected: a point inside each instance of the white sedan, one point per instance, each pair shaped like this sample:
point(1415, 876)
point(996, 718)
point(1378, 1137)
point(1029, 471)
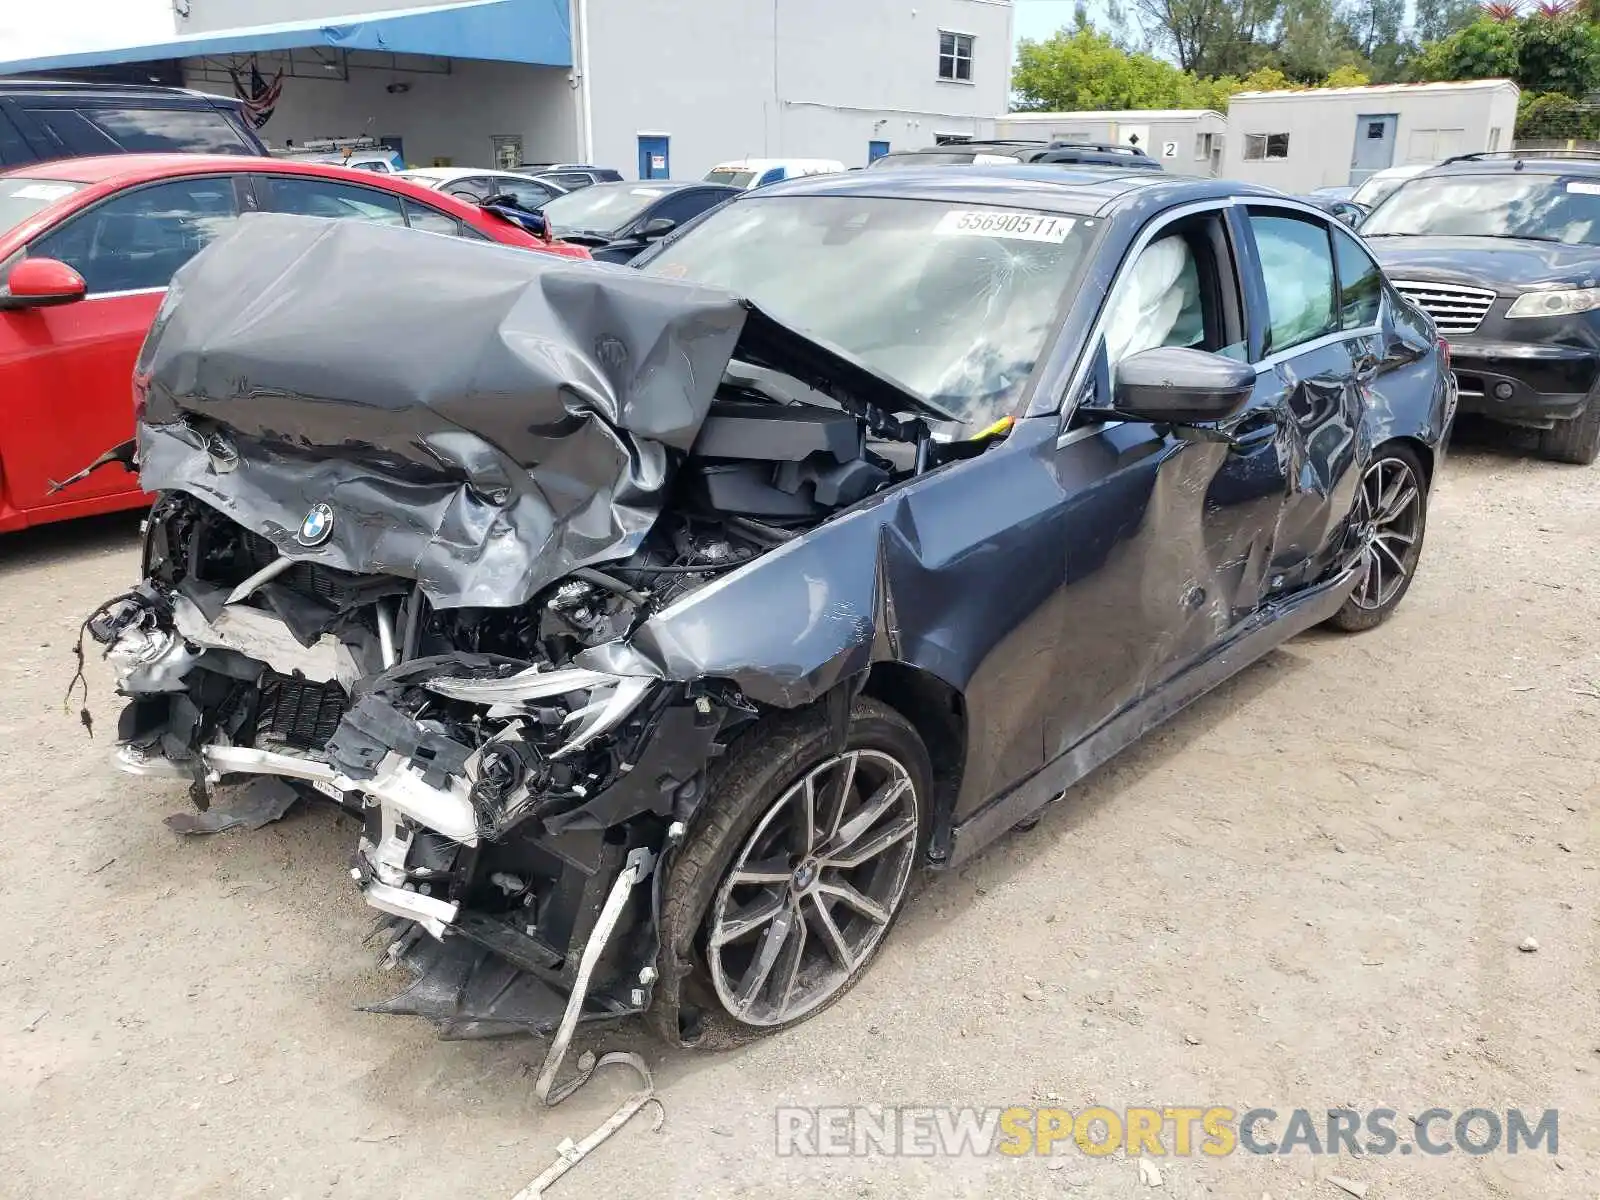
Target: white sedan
point(475, 184)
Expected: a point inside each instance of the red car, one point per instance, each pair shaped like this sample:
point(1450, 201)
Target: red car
point(87, 248)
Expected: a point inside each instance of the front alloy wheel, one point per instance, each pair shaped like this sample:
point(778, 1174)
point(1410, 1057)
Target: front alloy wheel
point(792, 875)
point(813, 889)
point(1389, 518)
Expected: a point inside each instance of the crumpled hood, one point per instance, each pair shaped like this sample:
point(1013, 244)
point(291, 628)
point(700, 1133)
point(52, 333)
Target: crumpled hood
point(480, 418)
point(1509, 265)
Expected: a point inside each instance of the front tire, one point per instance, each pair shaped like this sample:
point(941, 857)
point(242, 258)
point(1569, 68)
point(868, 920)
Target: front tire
point(1576, 441)
point(1391, 516)
point(793, 876)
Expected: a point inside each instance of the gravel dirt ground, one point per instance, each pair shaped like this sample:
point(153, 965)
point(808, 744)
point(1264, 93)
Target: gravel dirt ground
point(1307, 891)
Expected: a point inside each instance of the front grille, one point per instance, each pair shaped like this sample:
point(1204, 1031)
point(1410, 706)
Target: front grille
point(1454, 308)
point(332, 586)
point(298, 713)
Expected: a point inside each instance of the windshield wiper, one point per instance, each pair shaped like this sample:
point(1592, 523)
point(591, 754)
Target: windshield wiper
point(1526, 237)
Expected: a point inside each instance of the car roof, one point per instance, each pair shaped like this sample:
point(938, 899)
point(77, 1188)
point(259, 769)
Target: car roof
point(459, 172)
point(654, 185)
point(133, 168)
point(143, 91)
point(761, 164)
point(108, 174)
point(1064, 188)
point(1506, 162)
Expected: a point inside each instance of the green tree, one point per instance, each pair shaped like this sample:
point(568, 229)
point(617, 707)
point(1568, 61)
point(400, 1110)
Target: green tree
point(1212, 37)
point(1375, 31)
point(1312, 40)
point(1085, 70)
point(1438, 19)
point(1346, 77)
point(1485, 49)
point(1557, 54)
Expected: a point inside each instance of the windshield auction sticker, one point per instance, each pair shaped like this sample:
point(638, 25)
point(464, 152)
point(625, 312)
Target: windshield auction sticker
point(1022, 227)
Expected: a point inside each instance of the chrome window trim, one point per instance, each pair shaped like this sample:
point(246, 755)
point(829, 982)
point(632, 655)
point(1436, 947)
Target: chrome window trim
point(149, 291)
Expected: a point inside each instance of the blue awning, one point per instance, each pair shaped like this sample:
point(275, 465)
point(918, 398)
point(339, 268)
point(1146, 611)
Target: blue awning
point(524, 31)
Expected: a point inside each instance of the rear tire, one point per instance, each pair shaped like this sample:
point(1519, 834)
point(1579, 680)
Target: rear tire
point(1391, 514)
point(752, 820)
point(1576, 441)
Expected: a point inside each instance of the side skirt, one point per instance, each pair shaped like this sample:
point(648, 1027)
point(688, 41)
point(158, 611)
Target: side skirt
point(1263, 632)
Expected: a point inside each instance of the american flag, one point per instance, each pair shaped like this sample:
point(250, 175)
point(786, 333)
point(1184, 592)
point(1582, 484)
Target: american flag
point(261, 97)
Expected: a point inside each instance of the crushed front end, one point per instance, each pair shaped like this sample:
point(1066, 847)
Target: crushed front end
point(502, 789)
point(408, 582)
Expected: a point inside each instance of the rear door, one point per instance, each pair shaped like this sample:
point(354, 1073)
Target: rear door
point(66, 372)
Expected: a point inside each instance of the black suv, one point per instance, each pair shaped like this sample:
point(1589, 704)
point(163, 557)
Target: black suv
point(1503, 250)
point(1092, 154)
point(44, 119)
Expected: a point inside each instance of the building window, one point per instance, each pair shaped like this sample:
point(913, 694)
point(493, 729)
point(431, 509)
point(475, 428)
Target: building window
point(1375, 131)
point(1258, 146)
point(955, 56)
point(507, 151)
point(1202, 147)
point(951, 139)
point(1494, 137)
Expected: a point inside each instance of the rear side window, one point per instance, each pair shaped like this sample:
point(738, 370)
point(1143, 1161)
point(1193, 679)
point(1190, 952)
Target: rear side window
point(309, 197)
point(686, 206)
point(474, 188)
point(420, 216)
point(1297, 268)
point(106, 129)
point(1360, 283)
point(531, 196)
point(138, 239)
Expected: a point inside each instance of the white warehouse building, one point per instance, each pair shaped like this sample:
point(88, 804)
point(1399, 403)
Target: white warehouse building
point(1302, 140)
point(650, 87)
point(1188, 141)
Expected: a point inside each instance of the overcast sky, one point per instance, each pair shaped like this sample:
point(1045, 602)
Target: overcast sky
point(32, 30)
point(1040, 18)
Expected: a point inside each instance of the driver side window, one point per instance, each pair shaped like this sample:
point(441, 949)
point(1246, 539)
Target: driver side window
point(1182, 290)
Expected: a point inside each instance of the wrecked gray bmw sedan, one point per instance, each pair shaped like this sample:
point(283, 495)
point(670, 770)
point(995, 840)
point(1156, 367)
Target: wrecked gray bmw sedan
point(662, 622)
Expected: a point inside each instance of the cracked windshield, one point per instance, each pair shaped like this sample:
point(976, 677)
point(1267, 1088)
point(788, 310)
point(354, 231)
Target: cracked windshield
point(952, 302)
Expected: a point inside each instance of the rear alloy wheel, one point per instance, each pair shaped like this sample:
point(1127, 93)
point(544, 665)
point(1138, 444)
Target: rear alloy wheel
point(1391, 514)
point(792, 876)
point(1576, 441)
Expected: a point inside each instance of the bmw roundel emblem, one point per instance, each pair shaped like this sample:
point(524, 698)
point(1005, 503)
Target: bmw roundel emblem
point(317, 527)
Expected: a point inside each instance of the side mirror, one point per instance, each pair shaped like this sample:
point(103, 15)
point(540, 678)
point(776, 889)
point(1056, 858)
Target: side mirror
point(41, 283)
point(1177, 386)
point(656, 228)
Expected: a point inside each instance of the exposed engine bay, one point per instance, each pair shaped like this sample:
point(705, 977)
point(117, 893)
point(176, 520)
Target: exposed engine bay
point(508, 789)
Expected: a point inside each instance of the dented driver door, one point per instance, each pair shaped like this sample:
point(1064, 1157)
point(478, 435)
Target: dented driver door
point(1173, 529)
